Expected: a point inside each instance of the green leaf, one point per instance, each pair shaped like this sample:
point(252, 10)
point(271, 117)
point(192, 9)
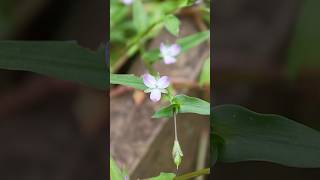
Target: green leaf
point(303, 52)
point(185, 104)
point(172, 24)
point(165, 112)
point(186, 43)
point(139, 16)
point(115, 172)
point(189, 104)
point(63, 60)
point(205, 73)
point(186, 3)
point(164, 176)
point(193, 40)
point(152, 55)
point(127, 80)
point(250, 136)
point(191, 175)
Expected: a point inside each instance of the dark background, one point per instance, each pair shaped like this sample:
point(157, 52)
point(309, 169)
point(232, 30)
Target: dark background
point(52, 129)
point(266, 58)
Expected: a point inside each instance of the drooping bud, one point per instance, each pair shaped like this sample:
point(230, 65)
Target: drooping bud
point(177, 153)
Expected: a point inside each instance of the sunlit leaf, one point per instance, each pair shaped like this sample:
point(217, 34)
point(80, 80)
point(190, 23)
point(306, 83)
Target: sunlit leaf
point(165, 112)
point(193, 40)
point(127, 80)
point(205, 73)
point(139, 16)
point(115, 172)
point(194, 174)
point(189, 104)
point(164, 176)
point(172, 24)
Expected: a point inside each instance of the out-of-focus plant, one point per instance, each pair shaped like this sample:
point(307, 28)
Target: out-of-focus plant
point(303, 53)
point(6, 7)
point(133, 24)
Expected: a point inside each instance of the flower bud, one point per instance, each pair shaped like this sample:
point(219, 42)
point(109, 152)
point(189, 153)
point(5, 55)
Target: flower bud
point(177, 153)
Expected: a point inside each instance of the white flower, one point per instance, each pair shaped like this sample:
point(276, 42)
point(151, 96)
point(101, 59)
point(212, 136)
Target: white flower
point(156, 86)
point(169, 52)
point(198, 2)
point(127, 2)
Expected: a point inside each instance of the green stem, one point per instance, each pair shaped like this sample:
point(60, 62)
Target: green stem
point(175, 125)
point(193, 174)
point(145, 33)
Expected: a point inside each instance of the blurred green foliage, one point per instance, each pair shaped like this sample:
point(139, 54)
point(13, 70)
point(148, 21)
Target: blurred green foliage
point(304, 49)
point(205, 74)
point(6, 7)
point(131, 26)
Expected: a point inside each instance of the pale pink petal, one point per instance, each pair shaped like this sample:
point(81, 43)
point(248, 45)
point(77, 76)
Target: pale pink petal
point(163, 49)
point(155, 95)
point(163, 82)
point(169, 59)
point(149, 81)
point(174, 50)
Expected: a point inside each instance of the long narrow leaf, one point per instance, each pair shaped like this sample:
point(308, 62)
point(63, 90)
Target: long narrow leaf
point(64, 60)
point(249, 136)
point(127, 80)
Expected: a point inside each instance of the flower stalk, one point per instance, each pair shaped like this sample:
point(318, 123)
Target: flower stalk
point(176, 151)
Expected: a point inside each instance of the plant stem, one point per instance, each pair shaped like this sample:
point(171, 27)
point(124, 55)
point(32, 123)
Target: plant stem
point(175, 126)
point(193, 174)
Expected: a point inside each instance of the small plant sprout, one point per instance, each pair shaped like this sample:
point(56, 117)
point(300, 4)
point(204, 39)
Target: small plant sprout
point(156, 86)
point(127, 2)
point(169, 52)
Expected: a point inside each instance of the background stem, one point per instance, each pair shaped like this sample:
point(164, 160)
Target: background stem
point(193, 174)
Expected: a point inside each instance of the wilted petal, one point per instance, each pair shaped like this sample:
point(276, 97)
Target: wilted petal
point(149, 81)
point(163, 82)
point(169, 59)
point(155, 95)
point(174, 50)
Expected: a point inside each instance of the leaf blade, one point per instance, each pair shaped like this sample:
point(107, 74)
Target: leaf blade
point(164, 176)
point(189, 104)
point(248, 136)
point(139, 16)
point(115, 172)
point(60, 59)
point(205, 73)
point(127, 80)
point(165, 112)
point(172, 24)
